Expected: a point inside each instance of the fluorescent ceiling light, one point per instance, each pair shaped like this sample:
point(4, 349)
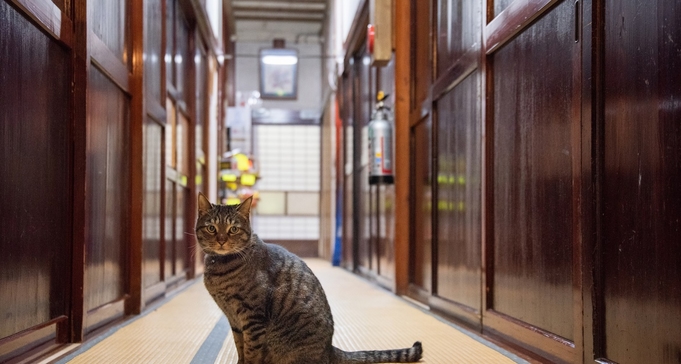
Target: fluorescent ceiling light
point(278, 14)
point(277, 5)
point(279, 60)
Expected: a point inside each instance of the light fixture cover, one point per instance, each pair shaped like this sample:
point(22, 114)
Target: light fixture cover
point(278, 73)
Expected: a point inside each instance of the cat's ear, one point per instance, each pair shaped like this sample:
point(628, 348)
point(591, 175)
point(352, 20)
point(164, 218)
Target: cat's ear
point(204, 205)
point(245, 207)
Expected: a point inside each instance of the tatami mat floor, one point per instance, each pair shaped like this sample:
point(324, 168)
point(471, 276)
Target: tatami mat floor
point(190, 328)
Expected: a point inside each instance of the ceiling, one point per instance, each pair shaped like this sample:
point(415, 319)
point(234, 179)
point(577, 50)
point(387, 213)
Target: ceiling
point(296, 21)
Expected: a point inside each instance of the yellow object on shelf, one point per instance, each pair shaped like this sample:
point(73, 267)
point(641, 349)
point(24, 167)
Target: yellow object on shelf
point(242, 162)
point(248, 179)
point(229, 177)
point(233, 201)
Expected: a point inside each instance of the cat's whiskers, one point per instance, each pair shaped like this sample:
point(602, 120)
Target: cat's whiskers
point(192, 250)
point(241, 254)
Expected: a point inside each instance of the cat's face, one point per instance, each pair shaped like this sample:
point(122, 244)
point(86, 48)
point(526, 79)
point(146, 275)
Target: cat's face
point(222, 229)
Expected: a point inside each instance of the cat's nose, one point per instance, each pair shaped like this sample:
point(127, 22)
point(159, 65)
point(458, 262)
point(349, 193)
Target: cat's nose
point(221, 243)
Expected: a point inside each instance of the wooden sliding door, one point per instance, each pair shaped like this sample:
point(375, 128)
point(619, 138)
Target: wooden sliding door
point(533, 126)
point(457, 171)
point(154, 137)
point(35, 184)
point(107, 162)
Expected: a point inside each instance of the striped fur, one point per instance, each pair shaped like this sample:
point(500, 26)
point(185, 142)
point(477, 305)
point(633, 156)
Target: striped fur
point(275, 305)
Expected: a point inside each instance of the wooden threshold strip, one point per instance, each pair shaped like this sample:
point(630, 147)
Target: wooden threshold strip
point(529, 337)
point(103, 315)
point(33, 337)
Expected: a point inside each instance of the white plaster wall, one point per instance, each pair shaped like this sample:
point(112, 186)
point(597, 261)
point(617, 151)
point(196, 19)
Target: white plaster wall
point(345, 14)
point(309, 75)
point(340, 15)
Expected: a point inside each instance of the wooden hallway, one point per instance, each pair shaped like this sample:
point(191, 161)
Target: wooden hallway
point(512, 167)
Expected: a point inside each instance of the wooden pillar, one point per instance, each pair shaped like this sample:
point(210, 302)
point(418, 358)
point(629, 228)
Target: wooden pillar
point(81, 64)
point(402, 142)
point(137, 115)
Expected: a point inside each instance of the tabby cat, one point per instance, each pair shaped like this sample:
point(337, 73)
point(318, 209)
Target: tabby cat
point(275, 305)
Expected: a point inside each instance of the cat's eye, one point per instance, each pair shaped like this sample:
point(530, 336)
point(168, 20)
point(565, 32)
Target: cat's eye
point(211, 228)
point(234, 230)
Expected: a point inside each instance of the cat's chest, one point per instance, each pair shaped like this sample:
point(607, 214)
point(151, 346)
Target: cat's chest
point(234, 282)
point(237, 295)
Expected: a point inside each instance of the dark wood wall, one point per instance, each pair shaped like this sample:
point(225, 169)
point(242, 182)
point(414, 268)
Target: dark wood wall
point(103, 117)
point(640, 263)
point(541, 158)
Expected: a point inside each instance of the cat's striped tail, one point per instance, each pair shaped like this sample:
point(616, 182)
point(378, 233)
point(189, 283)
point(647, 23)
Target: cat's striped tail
point(408, 355)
